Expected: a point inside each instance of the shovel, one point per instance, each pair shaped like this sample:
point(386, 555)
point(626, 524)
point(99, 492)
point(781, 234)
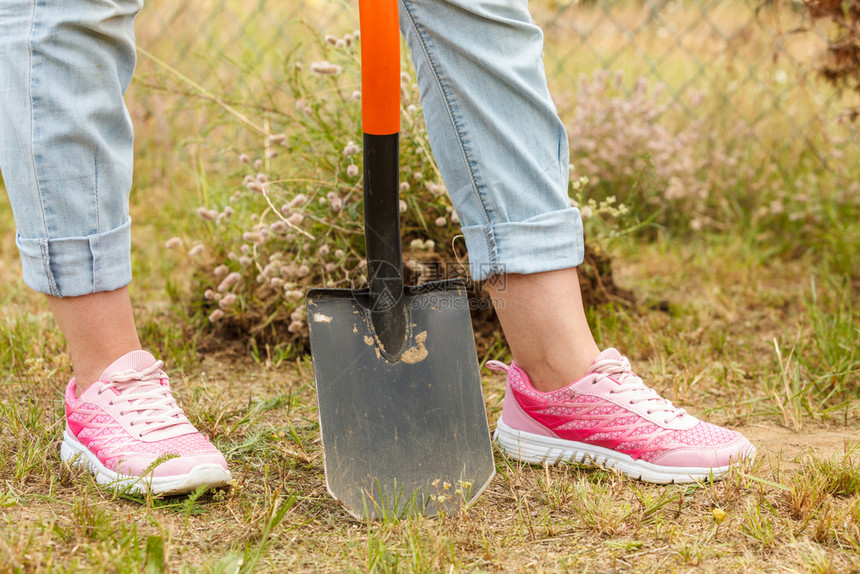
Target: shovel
point(402, 418)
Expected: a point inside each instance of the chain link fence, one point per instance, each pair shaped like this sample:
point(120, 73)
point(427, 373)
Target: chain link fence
point(752, 64)
point(732, 66)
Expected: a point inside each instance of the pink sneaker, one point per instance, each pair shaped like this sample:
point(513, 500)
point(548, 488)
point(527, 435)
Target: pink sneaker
point(610, 418)
point(129, 419)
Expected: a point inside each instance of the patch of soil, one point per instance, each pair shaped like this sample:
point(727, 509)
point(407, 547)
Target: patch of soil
point(789, 447)
point(595, 277)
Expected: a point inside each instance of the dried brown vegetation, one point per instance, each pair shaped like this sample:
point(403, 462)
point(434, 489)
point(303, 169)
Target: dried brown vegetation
point(841, 66)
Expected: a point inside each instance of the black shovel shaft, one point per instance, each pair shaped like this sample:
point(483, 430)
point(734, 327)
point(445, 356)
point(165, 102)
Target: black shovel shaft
point(380, 71)
point(382, 241)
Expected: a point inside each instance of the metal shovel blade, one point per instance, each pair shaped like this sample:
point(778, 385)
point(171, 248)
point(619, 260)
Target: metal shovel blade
point(403, 437)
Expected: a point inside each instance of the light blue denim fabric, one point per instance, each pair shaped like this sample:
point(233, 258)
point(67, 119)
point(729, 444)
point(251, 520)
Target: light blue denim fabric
point(66, 139)
point(495, 133)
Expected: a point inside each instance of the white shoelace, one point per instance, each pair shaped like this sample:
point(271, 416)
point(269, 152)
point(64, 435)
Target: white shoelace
point(629, 382)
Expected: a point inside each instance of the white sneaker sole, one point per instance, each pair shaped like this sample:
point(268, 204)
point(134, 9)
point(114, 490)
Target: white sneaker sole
point(210, 475)
point(537, 449)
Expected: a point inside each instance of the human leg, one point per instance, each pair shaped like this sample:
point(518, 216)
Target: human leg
point(66, 140)
point(495, 134)
point(66, 158)
point(544, 323)
point(503, 154)
point(99, 328)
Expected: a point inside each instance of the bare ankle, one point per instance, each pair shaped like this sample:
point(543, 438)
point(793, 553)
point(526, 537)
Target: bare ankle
point(551, 374)
point(84, 382)
point(89, 369)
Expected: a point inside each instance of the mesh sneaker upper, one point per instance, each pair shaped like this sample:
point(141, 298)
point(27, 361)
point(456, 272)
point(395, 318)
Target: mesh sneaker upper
point(611, 407)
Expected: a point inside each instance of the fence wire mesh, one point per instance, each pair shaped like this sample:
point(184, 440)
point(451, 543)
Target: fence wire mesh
point(729, 66)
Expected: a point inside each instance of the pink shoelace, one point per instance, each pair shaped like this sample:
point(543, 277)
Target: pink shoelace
point(141, 392)
point(621, 372)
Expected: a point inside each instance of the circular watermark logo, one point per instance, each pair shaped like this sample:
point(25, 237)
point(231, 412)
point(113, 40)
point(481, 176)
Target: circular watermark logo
point(386, 282)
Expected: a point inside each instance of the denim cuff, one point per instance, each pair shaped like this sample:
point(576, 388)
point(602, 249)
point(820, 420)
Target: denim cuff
point(74, 266)
point(547, 242)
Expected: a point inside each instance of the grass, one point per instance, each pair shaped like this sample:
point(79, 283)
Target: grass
point(797, 507)
point(751, 323)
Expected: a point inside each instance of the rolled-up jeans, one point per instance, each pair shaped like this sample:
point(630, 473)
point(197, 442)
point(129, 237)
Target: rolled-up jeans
point(66, 137)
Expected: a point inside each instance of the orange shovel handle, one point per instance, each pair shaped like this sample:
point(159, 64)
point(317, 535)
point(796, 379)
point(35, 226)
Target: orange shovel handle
point(380, 67)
